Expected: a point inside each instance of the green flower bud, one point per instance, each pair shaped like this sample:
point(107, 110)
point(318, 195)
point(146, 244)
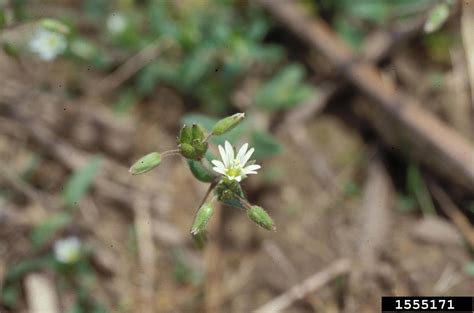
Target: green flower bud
point(200, 147)
point(146, 163)
point(226, 124)
point(200, 239)
point(185, 135)
point(260, 217)
point(187, 151)
point(200, 172)
point(202, 217)
point(198, 132)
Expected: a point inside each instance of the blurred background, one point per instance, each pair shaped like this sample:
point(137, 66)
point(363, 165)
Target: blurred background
point(361, 114)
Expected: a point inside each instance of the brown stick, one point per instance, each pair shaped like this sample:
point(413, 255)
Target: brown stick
point(41, 294)
point(310, 284)
point(214, 265)
point(399, 118)
point(461, 222)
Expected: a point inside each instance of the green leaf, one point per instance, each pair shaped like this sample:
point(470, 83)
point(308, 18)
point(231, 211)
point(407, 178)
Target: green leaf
point(200, 172)
point(417, 187)
point(470, 269)
point(265, 145)
point(3, 19)
point(285, 90)
point(17, 271)
point(374, 11)
point(79, 183)
point(95, 9)
point(126, 100)
point(11, 293)
point(351, 34)
point(437, 17)
point(46, 230)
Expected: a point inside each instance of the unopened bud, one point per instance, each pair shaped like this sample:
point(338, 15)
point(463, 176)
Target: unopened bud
point(187, 151)
point(185, 135)
point(198, 132)
point(200, 172)
point(203, 216)
point(261, 217)
point(146, 163)
point(228, 123)
point(200, 147)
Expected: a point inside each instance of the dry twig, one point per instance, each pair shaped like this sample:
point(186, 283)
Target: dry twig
point(461, 222)
point(311, 284)
point(146, 253)
point(399, 118)
point(41, 294)
point(467, 26)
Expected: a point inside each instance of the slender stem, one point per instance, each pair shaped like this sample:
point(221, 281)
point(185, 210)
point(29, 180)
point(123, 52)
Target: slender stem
point(208, 136)
point(244, 202)
point(211, 187)
point(170, 152)
point(207, 166)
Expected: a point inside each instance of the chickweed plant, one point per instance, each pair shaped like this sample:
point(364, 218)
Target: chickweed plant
point(224, 175)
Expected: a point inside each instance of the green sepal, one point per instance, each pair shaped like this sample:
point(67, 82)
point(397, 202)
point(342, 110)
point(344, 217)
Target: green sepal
point(187, 150)
point(227, 190)
point(185, 135)
point(226, 124)
point(199, 171)
point(260, 217)
point(200, 148)
point(146, 163)
point(198, 132)
point(203, 216)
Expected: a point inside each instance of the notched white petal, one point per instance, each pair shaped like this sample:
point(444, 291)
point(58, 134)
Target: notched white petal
point(223, 155)
point(241, 154)
point(230, 151)
point(247, 156)
point(252, 167)
point(218, 163)
point(219, 170)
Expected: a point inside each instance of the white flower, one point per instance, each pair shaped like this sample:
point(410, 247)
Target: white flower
point(48, 44)
point(83, 48)
point(234, 168)
point(116, 23)
point(67, 250)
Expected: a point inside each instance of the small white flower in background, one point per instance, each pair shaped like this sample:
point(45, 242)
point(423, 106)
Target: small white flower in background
point(83, 49)
point(234, 167)
point(67, 250)
point(48, 44)
point(116, 23)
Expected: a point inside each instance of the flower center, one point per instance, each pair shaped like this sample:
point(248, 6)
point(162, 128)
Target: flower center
point(233, 171)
